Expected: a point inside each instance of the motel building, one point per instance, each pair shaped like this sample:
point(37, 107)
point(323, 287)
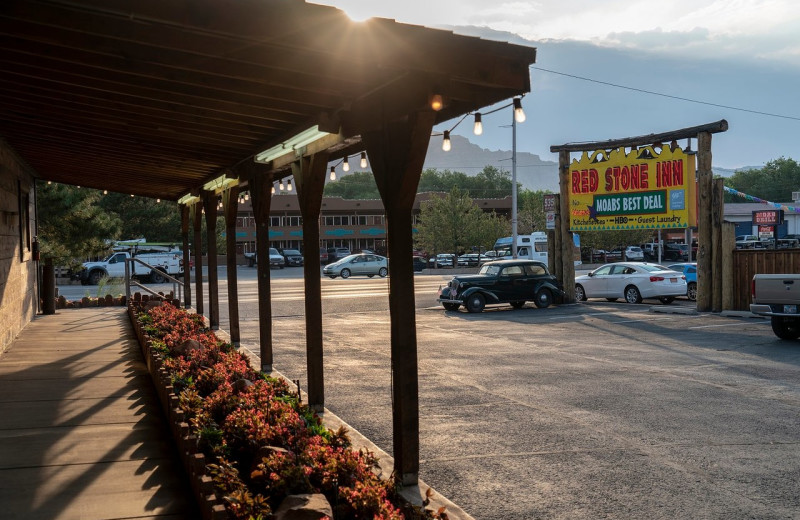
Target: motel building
point(355, 224)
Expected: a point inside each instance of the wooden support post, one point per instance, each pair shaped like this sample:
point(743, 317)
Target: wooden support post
point(261, 197)
point(210, 199)
point(728, 245)
point(717, 206)
point(554, 258)
point(230, 201)
point(566, 253)
point(704, 231)
point(187, 271)
point(48, 287)
point(397, 153)
point(309, 176)
point(198, 256)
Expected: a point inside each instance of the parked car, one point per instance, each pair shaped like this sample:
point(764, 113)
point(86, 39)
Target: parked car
point(689, 269)
point(601, 255)
point(676, 252)
point(419, 264)
point(276, 259)
point(442, 260)
point(634, 253)
point(323, 256)
point(502, 281)
point(358, 265)
point(292, 257)
point(632, 281)
point(469, 259)
point(337, 253)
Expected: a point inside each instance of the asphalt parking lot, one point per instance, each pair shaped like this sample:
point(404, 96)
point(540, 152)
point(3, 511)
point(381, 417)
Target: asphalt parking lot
point(598, 410)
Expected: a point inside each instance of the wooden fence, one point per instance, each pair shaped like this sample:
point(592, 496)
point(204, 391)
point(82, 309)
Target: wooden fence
point(749, 262)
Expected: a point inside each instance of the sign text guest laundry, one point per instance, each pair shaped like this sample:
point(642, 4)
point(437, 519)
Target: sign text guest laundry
point(650, 187)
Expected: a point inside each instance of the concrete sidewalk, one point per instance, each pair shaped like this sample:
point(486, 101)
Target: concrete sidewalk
point(82, 435)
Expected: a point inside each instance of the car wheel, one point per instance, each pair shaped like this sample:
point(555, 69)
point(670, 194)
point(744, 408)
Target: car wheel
point(451, 306)
point(476, 303)
point(666, 300)
point(543, 298)
point(94, 277)
point(382, 272)
point(580, 293)
point(786, 328)
point(157, 276)
point(691, 292)
point(632, 294)
point(518, 305)
point(612, 299)
point(345, 273)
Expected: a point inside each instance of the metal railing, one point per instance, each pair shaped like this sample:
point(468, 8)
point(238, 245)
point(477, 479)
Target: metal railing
point(130, 271)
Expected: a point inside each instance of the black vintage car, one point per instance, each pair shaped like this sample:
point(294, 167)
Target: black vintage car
point(502, 281)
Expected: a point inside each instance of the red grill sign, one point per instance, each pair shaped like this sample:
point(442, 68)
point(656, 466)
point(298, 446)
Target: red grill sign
point(771, 217)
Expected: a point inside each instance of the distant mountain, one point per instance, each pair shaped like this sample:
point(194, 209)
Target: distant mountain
point(532, 172)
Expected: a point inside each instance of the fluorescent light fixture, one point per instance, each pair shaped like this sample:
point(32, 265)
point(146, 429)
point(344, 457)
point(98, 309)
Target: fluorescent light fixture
point(188, 199)
point(219, 183)
point(300, 140)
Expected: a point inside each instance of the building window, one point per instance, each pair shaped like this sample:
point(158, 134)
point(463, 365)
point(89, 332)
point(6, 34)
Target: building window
point(293, 221)
point(274, 221)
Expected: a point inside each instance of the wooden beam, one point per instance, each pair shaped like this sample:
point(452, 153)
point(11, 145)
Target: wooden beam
point(309, 175)
point(717, 210)
point(198, 255)
point(397, 153)
point(230, 200)
point(210, 202)
point(261, 198)
point(187, 272)
point(566, 254)
point(693, 131)
point(728, 273)
point(705, 282)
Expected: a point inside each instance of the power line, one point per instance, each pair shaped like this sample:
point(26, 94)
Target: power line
point(667, 95)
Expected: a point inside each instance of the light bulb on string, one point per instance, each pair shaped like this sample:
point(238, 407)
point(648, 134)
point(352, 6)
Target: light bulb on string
point(280, 185)
point(478, 129)
point(333, 173)
point(519, 114)
point(105, 192)
point(346, 165)
point(247, 195)
point(273, 189)
point(363, 160)
point(289, 185)
point(446, 141)
point(158, 201)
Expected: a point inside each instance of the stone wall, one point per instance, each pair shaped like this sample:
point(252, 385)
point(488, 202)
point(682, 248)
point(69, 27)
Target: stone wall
point(18, 288)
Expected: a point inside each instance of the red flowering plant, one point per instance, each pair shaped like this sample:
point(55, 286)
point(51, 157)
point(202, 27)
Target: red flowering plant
point(263, 444)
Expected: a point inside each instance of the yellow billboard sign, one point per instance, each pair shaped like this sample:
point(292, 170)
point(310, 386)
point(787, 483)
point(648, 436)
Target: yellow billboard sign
point(640, 189)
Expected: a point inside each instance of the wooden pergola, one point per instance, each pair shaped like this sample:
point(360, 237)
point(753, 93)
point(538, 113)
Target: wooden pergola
point(175, 100)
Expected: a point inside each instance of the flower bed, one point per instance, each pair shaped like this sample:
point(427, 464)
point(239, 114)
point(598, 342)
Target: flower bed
point(246, 439)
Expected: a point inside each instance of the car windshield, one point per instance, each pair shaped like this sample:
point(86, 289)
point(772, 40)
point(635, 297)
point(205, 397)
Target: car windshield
point(291, 252)
point(489, 269)
point(635, 249)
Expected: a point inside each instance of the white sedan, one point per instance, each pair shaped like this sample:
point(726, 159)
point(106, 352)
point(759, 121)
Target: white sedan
point(632, 281)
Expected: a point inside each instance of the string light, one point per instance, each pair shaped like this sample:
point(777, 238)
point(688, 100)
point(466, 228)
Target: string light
point(446, 141)
point(158, 201)
point(49, 182)
point(247, 195)
point(105, 192)
point(289, 185)
point(273, 188)
point(519, 114)
point(436, 102)
point(346, 165)
point(280, 185)
point(363, 160)
point(478, 129)
point(333, 173)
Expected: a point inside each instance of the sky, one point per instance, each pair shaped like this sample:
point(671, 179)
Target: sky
point(609, 69)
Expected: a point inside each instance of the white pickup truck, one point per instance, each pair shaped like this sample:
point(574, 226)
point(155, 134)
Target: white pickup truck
point(778, 296)
point(113, 266)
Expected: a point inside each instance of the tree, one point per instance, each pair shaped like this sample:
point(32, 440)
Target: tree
point(358, 185)
point(143, 217)
point(454, 224)
point(774, 182)
point(71, 223)
point(530, 214)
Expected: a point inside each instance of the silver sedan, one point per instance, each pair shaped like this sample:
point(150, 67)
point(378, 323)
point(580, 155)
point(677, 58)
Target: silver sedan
point(358, 265)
